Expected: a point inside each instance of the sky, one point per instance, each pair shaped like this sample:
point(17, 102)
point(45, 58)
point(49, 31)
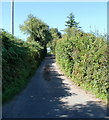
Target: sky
point(55, 14)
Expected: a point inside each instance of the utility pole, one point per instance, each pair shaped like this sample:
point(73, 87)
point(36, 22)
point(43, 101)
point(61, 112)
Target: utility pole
point(108, 22)
point(12, 17)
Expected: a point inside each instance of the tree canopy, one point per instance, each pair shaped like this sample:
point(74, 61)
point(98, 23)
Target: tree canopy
point(55, 36)
point(55, 33)
point(36, 29)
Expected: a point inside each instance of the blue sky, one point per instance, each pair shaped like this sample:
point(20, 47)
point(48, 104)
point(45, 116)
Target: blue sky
point(55, 14)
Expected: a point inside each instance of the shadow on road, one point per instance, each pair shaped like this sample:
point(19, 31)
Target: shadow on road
point(57, 90)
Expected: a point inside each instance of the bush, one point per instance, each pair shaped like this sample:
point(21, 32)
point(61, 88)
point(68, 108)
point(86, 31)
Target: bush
point(83, 58)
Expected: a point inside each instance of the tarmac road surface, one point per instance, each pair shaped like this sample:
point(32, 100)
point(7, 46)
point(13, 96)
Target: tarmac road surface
point(52, 95)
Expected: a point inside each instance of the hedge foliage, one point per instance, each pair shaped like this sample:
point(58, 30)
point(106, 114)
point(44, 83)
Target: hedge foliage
point(19, 61)
point(83, 57)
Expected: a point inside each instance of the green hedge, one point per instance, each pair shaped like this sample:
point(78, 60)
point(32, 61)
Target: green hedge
point(19, 61)
point(83, 58)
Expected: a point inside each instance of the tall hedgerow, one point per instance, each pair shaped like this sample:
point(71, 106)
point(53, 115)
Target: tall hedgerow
point(19, 61)
point(83, 57)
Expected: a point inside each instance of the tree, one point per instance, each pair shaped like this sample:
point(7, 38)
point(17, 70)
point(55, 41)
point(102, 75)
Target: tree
point(55, 33)
point(71, 21)
point(55, 36)
point(36, 29)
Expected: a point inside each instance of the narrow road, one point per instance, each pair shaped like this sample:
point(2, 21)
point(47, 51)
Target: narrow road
point(51, 95)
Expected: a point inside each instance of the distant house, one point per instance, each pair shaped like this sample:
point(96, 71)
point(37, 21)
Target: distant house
point(48, 50)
